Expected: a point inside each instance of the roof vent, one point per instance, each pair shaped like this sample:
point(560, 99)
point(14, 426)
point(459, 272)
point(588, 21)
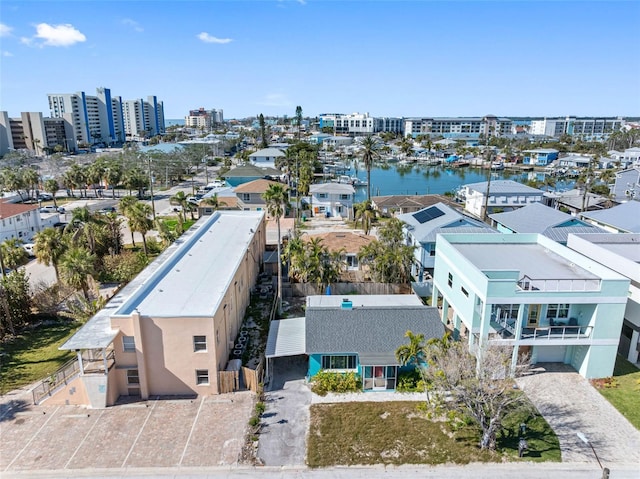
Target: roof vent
point(346, 304)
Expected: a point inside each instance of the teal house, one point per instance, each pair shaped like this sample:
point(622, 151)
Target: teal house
point(361, 333)
point(530, 293)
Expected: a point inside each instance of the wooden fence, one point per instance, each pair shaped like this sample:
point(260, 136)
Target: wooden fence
point(307, 289)
point(229, 381)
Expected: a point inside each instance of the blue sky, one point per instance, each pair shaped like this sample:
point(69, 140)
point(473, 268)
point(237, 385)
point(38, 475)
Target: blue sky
point(400, 58)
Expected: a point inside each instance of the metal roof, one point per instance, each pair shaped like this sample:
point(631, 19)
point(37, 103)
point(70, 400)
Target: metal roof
point(625, 217)
point(286, 338)
point(267, 152)
point(250, 170)
point(332, 188)
point(451, 220)
point(499, 187)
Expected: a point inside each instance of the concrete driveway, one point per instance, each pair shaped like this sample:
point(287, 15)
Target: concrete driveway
point(283, 440)
point(570, 404)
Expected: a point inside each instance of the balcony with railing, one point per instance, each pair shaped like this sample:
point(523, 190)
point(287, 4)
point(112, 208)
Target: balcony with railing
point(549, 285)
point(505, 328)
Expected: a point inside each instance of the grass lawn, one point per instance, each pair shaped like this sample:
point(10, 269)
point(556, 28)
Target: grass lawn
point(364, 433)
point(34, 354)
point(624, 391)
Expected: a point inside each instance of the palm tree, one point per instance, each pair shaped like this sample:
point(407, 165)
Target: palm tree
point(165, 233)
point(139, 221)
point(49, 246)
point(299, 120)
point(414, 354)
point(366, 214)
point(213, 201)
point(13, 253)
point(370, 152)
point(51, 186)
point(75, 267)
point(180, 199)
point(30, 180)
point(127, 205)
point(276, 199)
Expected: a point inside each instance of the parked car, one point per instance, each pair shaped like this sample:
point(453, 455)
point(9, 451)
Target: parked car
point(107, 210)
point(28, 247)
point(45, 197)
point(48, 209)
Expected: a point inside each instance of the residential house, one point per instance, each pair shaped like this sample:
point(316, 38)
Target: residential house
point(575, 201)
point(348, 244)
point(538, 218)
point(574, 161)
point(628, 157)
point(422, 228)
point(533, 294)
point(173, 328)
point(332, 200)
point(401, 204)
point(627, 185)
point(317, 138)
point(250, 195)
point(357, 334)
point(266, 158)
point(245, 173)
point(623, 218)
point(621, 253)
point(19, 221)
point(336, 141)
point(504, 195)
point(540, 156)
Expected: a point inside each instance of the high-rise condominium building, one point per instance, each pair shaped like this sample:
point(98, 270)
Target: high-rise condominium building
point(143, 118)
point(33, 132)
point(587, 128)
point(203, 119)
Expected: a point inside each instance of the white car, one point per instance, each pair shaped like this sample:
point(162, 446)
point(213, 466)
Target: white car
point(28, 247)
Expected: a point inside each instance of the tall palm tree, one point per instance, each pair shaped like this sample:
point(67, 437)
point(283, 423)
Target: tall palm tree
point(366, 214)
point(49, 246)
point(127, 205)
point(180, 199)
point(140, 221)
point(76, 265)
point(299, 120)
point(213, 201)
point(51, 186)
point(276, 200)
point(370, 152)
point(13, 253)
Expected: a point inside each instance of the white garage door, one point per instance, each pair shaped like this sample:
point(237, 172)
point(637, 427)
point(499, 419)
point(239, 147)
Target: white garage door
point(550, 354)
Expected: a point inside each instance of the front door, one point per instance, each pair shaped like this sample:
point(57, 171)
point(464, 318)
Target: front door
point(379, 378)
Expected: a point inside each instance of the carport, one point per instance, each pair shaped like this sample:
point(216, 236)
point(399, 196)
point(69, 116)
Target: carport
point(286, 338)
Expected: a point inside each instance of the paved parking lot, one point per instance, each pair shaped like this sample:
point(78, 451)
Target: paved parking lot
point(207, 431)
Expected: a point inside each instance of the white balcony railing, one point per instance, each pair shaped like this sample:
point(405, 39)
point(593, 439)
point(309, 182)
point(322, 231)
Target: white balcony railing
point(532, 284)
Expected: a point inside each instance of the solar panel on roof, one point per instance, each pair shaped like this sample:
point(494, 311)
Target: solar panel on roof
point(427, 214)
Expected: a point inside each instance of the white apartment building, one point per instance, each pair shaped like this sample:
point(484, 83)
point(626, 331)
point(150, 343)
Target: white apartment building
point(360, 124)
point(33, 132)
point(588, 128)
point(143, 118)
point(203, 119)
point(452, 127)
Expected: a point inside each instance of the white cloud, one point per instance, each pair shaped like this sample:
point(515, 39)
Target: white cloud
point(277, 100)
point(6, 53)
point(133, 24)
point(205, 37)
point(5, 30)
point(56, 35)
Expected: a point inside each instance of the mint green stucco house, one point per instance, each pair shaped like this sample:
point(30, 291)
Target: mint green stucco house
point(529, 292)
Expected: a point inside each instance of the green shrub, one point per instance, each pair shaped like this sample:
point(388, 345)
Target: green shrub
point(124, 267)
point(326, 381)
point(260, 407)
point(254, 421)
point(409, 381)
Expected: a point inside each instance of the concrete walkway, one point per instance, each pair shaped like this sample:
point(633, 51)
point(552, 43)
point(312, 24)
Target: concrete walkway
point(570, 404)
point(283, 440)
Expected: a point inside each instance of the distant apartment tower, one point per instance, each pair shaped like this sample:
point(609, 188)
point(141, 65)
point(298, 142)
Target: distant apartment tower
point(94, 119)
point(33, 132)
point(143, 118)
point(588, 128)
point(203, 119)
point(358, 124)
point(452, 127)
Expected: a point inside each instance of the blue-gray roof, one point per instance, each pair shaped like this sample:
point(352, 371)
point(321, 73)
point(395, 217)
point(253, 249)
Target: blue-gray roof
point(449, 221)
point(370, 331)
point(625, 217)
point(537, 218)
point(499, 187)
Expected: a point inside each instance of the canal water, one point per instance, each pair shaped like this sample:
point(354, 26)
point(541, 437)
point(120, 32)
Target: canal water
point(394, 179)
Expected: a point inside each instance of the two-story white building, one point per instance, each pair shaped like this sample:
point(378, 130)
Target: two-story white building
point(504, 195)
point(266, 158)
point(332, 199)
point(530, 293)
point(19, 221)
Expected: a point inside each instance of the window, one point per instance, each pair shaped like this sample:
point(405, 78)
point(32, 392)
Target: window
point(432, 249)
point(464, 291)
point(133, 377)
point(246, 196)
point(339, 362)
point(202, 376)
point(345, 197)
point(557, 311)
point(128, 344)
point(450, 280)
point(199, 343)
point(322, 195)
